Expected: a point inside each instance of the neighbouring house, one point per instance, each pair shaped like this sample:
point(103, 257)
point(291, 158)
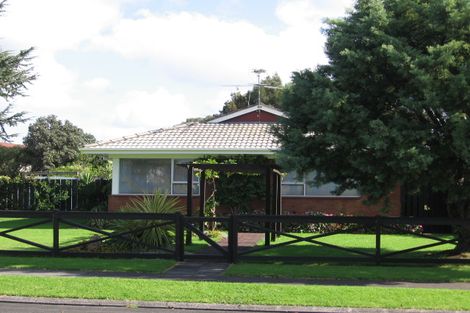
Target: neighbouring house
point(148, 161)
point(10, 145)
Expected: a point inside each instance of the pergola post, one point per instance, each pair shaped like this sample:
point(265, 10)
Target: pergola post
point(202, 198)
point(267, 239)
point(279, 201)
point(273, 225)
point(189, 201)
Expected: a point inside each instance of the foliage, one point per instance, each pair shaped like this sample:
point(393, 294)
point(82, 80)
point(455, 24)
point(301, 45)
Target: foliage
point(324, 227)
point(152, 235)
point(31, 193)
point(88, 167)
point(47, 195)
point(267, 95)
point(237, 191)
point(392, 105)
point(238, 100)
point(15, 73)
point(51, 143)
point(11, 161)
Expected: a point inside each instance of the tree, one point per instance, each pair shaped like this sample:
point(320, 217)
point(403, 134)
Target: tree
point(11, 160)
point(51, 143)
point(268, 95)
point(392, 105)
point(15, 74)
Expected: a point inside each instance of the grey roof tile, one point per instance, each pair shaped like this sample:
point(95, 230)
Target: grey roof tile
point(197, 136)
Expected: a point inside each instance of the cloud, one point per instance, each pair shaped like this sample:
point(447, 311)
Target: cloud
point(56, 24)
point(141, 109)
point(192, 55)
point(97, 84)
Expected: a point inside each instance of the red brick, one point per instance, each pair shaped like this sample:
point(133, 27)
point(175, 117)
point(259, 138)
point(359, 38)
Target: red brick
point(297, 205)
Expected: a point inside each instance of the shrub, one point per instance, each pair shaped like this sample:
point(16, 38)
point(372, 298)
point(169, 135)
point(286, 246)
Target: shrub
point(157, 236)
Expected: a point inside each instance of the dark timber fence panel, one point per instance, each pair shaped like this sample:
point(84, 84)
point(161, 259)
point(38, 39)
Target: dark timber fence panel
point(377, 227)
point(77, 195)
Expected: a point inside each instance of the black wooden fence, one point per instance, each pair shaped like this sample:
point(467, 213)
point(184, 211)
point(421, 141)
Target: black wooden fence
point(68, 194)
point(61, 222)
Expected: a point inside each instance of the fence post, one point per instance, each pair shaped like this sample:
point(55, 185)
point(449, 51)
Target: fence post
point(233, 239)
point(179, 237)
point(378, 233)
point(55, 231)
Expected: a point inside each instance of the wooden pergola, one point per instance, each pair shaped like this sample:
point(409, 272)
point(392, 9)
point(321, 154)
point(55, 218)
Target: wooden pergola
point(272, 176)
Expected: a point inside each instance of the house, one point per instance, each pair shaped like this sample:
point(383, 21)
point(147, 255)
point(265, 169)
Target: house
point(148, 161)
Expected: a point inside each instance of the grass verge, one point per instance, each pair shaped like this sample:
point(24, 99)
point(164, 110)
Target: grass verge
point(360, 242)
point(87, 264)
point(234, 293)
point(443, 273)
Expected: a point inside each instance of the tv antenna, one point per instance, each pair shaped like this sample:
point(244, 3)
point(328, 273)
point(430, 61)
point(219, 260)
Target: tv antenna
point(258, 73)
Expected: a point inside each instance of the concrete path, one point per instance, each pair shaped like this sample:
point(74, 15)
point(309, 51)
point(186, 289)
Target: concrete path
point(39, 305)
point(210, 270)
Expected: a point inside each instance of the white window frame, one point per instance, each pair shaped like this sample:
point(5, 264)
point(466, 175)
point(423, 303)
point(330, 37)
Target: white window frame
point(117, 177)
point(195, 182)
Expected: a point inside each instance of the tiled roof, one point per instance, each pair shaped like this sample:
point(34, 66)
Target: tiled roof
point(10, 145)
point(196, 137)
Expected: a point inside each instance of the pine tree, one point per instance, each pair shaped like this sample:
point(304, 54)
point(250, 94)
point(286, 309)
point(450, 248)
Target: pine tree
point(16, 73)
point(393, 104)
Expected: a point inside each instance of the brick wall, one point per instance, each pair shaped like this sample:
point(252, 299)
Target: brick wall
point(299, 205)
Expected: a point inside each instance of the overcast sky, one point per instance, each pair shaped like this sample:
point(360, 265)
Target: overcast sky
point(115, 68)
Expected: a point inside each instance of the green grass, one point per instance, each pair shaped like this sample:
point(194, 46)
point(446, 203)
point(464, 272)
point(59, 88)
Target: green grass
point(68, 235)
point(234, 293)
point(41, 234)
point(443, 273)
point(87, 264)
point(361, 242)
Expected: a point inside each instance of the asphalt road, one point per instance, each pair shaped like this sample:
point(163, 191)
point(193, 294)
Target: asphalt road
point(48, 308)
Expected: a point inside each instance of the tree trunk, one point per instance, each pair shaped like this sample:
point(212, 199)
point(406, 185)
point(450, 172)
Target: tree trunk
point(463, 245)
point(461, 210)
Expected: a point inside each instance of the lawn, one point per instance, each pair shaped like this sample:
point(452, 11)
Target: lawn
point(41, 234)
point(234, 293)
point(442, 273)
point(68, 235)
point(360, 242)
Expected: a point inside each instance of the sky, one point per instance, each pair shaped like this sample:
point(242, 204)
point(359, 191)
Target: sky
point(119, 67)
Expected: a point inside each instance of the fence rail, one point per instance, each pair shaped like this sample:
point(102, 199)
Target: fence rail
point(280, 233)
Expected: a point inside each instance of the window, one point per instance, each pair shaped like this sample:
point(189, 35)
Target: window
point(180, 178)
point(294, 186)
point(144, 176)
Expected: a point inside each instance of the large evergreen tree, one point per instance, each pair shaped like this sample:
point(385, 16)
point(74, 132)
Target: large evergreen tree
point(15, 74)
point(51, 143)
point(393, 104)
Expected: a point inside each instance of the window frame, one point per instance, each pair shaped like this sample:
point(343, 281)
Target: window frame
point(172, 180)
